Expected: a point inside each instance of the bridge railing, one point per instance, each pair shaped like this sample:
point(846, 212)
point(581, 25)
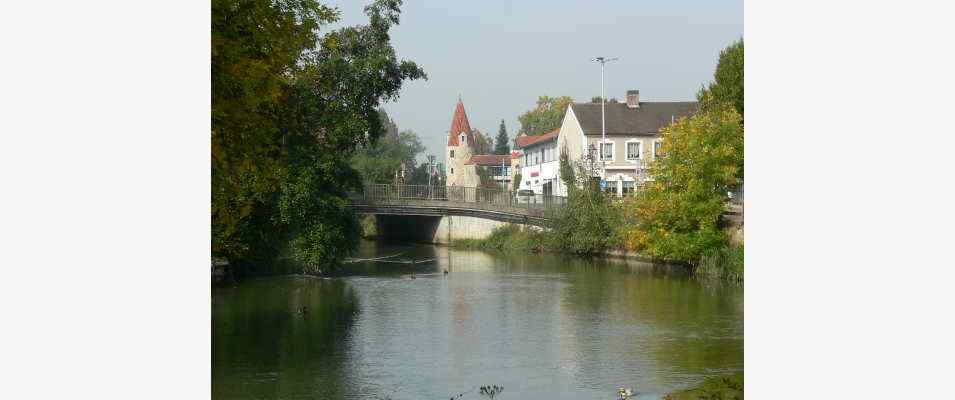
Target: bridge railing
point(457, 196)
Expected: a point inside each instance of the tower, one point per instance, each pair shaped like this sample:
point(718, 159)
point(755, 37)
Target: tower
point(459, 148)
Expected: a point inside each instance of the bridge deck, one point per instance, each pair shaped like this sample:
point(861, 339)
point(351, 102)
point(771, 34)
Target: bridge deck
point(439, 201)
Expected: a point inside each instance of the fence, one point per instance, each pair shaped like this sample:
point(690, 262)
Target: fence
point(459, 196)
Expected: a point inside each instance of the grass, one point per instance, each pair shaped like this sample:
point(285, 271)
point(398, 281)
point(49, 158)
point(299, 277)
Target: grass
point(714, 388)
point(508, 238)
point(725, 264)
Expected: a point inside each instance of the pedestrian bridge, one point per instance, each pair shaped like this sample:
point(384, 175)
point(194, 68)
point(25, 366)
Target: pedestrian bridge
point(424, 200)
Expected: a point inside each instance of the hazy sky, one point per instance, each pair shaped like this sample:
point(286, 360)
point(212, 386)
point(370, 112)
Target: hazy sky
point(501, 55)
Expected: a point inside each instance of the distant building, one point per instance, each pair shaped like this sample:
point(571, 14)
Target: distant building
point(540, 163)
point(461, 163)
point(632, 137)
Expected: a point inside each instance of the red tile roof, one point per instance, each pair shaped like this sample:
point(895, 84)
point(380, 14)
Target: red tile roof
point(489, 160)
point(459, 123)
point(515, 154)
point(524, 140)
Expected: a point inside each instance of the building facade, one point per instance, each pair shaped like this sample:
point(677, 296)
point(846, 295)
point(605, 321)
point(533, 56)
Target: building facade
point(459, 150)
point(540, 163)
point(632, 137)
point(462, 165)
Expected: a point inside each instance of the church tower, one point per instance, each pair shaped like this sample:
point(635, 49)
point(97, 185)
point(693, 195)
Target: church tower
point(459, 149)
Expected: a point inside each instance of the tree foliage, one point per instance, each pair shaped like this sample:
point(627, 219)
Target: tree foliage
point(676, 215)
point(287, 116)
point(546, 116)
point(254, 47)
point(482, 144)
point(378, 161)
point(588, 223)
point(727, 85)
point(501, 143)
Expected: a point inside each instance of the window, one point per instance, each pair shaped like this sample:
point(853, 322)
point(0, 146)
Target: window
point(606, 151)
point(633, 150)
point(628, 188)
point(611, 188)
point(464, 139)
point(656, 149)
point(548, 153)
point(452, 153)
point(452, 170)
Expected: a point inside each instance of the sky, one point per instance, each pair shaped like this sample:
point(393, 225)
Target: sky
point(499, 56)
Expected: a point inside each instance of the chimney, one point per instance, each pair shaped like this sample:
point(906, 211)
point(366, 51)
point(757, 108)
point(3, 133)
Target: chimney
point(633, 99)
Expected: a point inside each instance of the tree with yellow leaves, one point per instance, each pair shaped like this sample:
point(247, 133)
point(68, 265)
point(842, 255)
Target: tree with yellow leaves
point(676, 215)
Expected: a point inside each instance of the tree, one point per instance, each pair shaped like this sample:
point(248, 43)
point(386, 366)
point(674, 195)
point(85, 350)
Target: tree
point(378, 161)
point(254, 47)
point(676, 215)
point(596, 99)
point(587, 223)
point(546, 116)
point(324, 109)
point(501, 145)
point(481, 145)
point(727, 85)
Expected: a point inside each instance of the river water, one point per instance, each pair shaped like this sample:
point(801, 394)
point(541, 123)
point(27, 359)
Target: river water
point(541, 326)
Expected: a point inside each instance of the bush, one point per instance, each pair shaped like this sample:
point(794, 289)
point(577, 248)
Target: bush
point(506, 238)
point(725, 263)
point(587, 224)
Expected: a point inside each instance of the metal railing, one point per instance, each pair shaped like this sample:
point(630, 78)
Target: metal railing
point(456, 196)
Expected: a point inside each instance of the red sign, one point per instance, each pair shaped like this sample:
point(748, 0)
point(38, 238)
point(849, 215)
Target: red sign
point(535, 173)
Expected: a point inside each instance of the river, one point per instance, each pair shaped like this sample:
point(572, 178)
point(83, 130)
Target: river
point(541, 326)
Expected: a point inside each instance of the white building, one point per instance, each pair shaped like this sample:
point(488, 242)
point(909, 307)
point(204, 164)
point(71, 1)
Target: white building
point(632, 137)
point(540, 163)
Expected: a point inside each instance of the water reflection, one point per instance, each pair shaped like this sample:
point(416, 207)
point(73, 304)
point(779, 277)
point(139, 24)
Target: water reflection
point(264, 347)
point(542, 326)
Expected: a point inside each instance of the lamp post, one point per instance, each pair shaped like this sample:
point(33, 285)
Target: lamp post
point(603, 119)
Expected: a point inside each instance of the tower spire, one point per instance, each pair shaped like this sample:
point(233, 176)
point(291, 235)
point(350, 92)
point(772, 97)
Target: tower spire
point(459, 125)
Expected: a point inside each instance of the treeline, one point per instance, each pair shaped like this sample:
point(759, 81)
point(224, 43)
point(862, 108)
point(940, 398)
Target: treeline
point(383, 160)
point(676, 215)
point(289, 110)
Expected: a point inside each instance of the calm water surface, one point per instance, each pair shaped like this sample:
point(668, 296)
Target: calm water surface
point(543, 327)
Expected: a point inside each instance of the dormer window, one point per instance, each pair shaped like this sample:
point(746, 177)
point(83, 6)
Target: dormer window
point(464, 139)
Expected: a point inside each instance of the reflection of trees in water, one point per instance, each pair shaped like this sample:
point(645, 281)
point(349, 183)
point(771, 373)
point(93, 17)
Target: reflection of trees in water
point(648, 319)
point(263, 347)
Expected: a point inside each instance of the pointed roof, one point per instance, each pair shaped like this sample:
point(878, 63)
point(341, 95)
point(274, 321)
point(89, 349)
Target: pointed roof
point(459, 123)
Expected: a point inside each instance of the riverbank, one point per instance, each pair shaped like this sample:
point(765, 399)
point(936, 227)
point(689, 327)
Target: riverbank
point(725, 263)
point(714, 388)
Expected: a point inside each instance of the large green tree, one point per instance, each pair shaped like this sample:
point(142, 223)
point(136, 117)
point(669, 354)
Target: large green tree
point(677, 214)
point(501, 144)
point(255, 46)
point(290, 164)
point(727, 85)
point(546, 115)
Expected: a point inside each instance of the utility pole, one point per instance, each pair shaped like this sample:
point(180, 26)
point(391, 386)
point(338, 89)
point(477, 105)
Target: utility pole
point(603, 119)
point(430, 172)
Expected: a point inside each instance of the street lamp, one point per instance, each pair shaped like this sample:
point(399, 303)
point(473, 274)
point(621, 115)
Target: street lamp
point(603, 119)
